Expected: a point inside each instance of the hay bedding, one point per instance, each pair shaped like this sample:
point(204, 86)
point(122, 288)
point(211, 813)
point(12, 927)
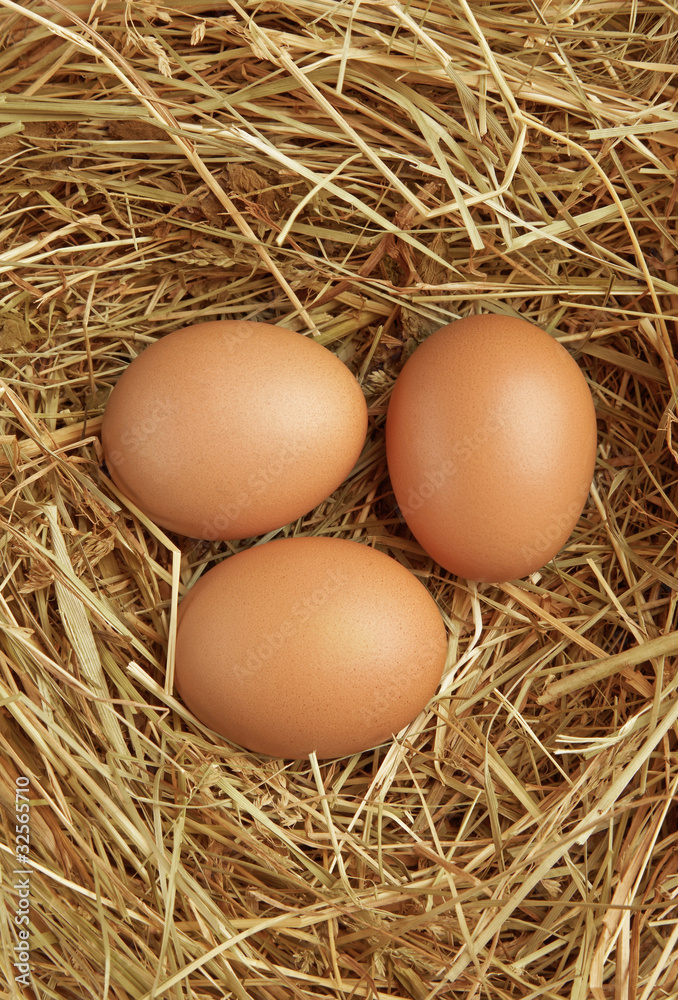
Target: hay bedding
point(365, 171)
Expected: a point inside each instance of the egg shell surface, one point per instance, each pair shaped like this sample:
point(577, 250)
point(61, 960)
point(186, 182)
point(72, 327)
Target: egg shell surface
point(491, 446)
point(226, 430)
point(308, 644)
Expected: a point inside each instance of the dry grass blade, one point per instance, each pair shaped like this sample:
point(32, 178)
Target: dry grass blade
point(364, 172)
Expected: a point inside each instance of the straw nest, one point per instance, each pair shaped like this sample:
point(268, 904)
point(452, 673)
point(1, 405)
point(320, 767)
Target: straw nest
point(365, 172)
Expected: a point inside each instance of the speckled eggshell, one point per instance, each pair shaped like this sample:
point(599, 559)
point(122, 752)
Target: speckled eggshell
point(227, 430)
point(308, 644)
point(491, 446)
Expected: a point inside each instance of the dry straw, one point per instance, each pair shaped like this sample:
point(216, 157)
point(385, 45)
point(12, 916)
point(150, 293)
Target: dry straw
point(365, 172)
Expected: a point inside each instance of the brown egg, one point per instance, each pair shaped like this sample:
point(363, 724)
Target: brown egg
point(226, 430)
point(491, 446)
point(308, 644)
